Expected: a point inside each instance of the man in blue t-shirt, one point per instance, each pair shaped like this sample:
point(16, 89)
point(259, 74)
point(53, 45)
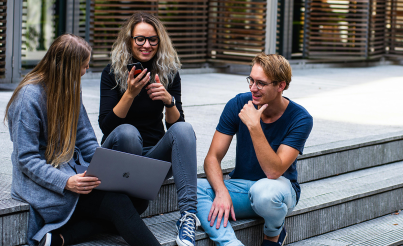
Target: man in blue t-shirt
point(271, 131)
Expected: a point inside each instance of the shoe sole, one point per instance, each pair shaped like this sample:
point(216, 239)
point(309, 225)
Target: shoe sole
point(48, 240)
point(180, 243)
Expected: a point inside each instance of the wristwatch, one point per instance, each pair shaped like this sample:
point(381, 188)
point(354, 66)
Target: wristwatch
point(172, 103)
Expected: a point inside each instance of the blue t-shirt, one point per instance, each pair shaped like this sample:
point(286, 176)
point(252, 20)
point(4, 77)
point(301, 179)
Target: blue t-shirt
point(292, 129)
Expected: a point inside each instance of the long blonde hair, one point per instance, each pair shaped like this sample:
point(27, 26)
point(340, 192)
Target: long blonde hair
point(59, 72)
point(165, 63)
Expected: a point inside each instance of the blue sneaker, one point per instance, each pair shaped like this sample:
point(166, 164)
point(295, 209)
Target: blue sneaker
point(186, 227)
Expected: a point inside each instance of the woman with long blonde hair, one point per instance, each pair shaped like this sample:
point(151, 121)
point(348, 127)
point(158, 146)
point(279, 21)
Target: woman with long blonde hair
point(131, 110)
point(51, 136)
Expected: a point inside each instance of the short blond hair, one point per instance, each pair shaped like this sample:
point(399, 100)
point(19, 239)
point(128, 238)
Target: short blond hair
point(275, 67)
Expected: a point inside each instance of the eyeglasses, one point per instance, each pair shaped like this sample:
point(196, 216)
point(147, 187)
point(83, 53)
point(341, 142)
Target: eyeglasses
point(259, 84)
point(141, 40)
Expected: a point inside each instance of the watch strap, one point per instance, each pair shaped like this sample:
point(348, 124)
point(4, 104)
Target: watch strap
point(172, 103)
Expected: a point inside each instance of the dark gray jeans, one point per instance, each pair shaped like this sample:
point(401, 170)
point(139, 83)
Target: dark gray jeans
point(177, 146)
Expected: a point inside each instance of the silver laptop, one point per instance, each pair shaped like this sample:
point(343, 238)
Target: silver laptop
point(135, 175)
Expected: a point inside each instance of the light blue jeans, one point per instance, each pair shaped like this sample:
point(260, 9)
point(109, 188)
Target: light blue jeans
point(177, 146)
point(271, 199)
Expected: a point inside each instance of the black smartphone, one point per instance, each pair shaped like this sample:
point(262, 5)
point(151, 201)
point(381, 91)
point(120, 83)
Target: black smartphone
point(137, 66)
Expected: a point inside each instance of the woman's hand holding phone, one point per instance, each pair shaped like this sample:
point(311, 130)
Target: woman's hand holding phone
point(136, 83)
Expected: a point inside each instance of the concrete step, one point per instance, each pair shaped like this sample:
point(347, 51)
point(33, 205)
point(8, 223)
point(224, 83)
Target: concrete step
point(13, 216)
point(318, 162)
point(163, 227)
point(384, 231)
point(333, 203)
point(326, 205)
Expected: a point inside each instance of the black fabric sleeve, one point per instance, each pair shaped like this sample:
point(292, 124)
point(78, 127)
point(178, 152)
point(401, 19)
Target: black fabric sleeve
point(110, 96)
point(176, 91)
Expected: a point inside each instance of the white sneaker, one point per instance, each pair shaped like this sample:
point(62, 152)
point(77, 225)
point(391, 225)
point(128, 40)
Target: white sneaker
point(46, 240)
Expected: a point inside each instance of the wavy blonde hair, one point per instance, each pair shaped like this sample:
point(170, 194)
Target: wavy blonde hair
point(165, 63)
point(59, 72)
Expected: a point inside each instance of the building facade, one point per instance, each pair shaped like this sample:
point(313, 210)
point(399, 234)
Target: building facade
point(208, 32)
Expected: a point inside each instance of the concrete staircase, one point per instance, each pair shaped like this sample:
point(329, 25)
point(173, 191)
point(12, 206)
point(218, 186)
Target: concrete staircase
point(385, 230)
point(346, 183)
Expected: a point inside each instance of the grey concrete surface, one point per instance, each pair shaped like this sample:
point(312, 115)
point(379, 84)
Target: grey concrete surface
point(350, 159)
point(347, 104)
point(325, 205)
point(386, 230)
point(314, 167)
point(350, 186)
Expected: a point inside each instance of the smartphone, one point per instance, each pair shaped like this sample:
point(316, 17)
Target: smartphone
point(137, 66)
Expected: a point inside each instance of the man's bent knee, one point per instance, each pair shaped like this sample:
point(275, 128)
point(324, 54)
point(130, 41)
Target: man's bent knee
point(281, 187)
point(271, 197)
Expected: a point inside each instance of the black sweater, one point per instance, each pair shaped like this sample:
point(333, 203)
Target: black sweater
point(145, 114)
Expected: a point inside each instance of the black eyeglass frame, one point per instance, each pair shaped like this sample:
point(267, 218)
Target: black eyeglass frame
point(249, 78)
point(145, 40)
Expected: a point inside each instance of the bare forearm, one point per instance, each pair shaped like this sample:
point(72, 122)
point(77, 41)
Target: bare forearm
point(122, 108)
point(214, 175)
point(171, 114)
point(218, 149)
point(268, 159)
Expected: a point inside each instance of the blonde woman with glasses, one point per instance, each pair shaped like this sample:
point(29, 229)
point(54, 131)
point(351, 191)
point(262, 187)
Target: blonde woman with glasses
point(51, 135)
point(131, 109)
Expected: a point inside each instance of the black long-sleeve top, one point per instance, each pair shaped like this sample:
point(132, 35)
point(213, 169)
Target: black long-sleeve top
point(144, 113)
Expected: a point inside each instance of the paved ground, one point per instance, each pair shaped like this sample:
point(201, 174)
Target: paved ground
point(348, 105)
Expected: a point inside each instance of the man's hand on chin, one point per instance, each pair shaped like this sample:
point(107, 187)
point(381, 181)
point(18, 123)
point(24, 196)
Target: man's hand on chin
point(250, 116)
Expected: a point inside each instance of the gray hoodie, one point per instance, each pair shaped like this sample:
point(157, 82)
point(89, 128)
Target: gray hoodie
point(34, 181)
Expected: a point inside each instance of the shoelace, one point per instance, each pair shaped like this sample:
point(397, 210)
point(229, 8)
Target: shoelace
point(188, 221)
